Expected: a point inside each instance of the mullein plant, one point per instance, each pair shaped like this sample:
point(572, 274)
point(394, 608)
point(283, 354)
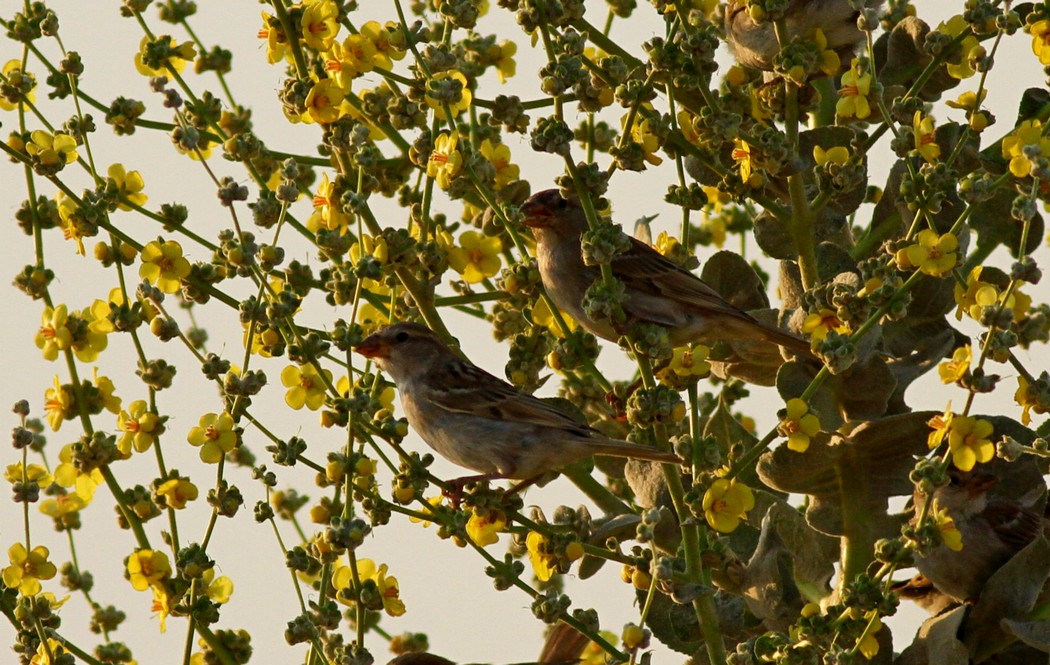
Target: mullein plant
point(428, 134)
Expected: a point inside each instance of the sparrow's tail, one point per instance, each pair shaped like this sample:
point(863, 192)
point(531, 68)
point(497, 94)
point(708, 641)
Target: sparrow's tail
point(617, 448)
point(789, 341)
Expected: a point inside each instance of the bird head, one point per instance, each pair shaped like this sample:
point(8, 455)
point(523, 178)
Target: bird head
point(403, 349)
point(548, 212)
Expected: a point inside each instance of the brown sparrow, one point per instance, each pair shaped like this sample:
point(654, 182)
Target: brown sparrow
point(993, 528)
point(656, 290)
point(755, 44)
point(479, 421)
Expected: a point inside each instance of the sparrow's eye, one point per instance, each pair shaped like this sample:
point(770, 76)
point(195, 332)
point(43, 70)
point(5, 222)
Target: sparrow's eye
point(401, 337)
point(562, 204)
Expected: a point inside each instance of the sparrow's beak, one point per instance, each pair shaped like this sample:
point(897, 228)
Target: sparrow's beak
point(537, 215)
point(373, 347)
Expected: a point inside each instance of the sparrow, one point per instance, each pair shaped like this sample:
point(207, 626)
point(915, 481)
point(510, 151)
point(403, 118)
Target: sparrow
point(994, 527)
point(656, 290)
point(755, 44)
point(480, 422)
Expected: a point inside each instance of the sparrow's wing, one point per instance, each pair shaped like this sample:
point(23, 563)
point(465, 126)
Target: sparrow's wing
point(643, 269)
point(1014, 524)
point(459, 387)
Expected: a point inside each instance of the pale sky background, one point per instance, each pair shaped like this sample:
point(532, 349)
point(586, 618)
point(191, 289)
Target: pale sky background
point(445, 589)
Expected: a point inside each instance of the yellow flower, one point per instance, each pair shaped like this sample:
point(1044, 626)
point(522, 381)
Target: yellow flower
point(1028, 133)
point(146, 568)
point(950, 535)
point(642, 134)
point(445, 160)
point(305, 386)
point(940, 426)
point(726, 503)
point(387, 587)
point(1040, 31)
point(506, 67)
point(968, 101)
point(746, 163)
point(476, 257)
point(215, 435)
point(53, 647)
point(634, 636)
point(956, 369)
point(162, 604)
point(690, 361)
point(383, 39)
point(129, 185)
point(932, 255)
point(67, 475)
point(170, 55)
point(319, 24)
point(34, 473)
point(141, 428)
point(220, 589)
point(323, 103)
point(1033, 398)
point(593, 653)
point(328, 212)
point(799, 425)
point(975, 296)
point(499, 156)
point(542, 316)
point(868, 645)
point(58, 506)
point(16, 79)
point(969, 443)
point(176, 493)
point(50, 151)
point(484, 530)
point(819, 324)
point(853, 94)
point(276, 39)
point(53, 335)
point(58, 405)
point(924, 134)
point(27, 569)
point(457, 106)
point(960, 58)
point(164, 265)
point(836, 155)
point(545, 558)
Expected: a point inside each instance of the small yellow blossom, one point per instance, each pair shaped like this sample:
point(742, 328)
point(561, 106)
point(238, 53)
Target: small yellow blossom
point(868, 645)
point(305, 386)
point(146, 568)
point(328, 212)
point(853, 94)
point(319, 24)
point(950, 535)
point(390, 593)
point(33, 473)
point(68, 475)
point(924, 134)
point(541, 316)
point(641, 133)
point(836, 155)
point(726, 503)
point(940, 426)
point(60, 506)
point(1028, 133)
point(476, 257)
point(215, 435)
point(484, 530)
point(17, 79)
point(176, 493)
point(634, 637)
point(746, 163)
point(499, 156)
point(27, 568)
point(276, 40)
point(140, 428)
point(53, 335)
point(545, 559)
point(445, 160)
point(956, 369)
point(975, 296)
point(162, 604)
point(1040, 31)
point(506, 66)
point(129, 185)
point(959, 63)
point(969, 442)
point(323, 102)
point(932, 254)
point(690, 361)
point(799, 425)
point(51, 151)
point(177, 55)
point(1032, 398)
point(385, 39)
point(465, 99)
point(58, 405)
point(164, 265)
point(818, 324)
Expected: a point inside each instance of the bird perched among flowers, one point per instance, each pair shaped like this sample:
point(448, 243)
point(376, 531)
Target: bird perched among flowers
point(755, 42)
point(479, 421)
point(656, 290)
point(993, 528)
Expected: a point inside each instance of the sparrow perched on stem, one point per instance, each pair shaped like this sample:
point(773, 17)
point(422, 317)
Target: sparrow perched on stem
point(656, 290)
point(479, 421)
point(993, 527)
point(755, 43)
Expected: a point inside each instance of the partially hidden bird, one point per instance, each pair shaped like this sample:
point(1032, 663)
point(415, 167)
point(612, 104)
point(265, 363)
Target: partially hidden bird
point(656, 290)
point(480, 422)
point(994, 527)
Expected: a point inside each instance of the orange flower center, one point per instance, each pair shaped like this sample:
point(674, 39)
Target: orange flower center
point(211, 433)
point(47, 332)
point(849, 91)
point(439, 157)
